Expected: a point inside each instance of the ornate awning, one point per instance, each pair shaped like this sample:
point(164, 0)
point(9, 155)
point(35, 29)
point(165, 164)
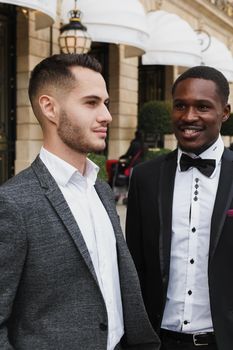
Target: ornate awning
point(113, 21)
point(45, 10)
point(172, 41)
point(219, 56)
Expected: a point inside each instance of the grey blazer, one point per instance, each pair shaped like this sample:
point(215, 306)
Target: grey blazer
point(49, 294)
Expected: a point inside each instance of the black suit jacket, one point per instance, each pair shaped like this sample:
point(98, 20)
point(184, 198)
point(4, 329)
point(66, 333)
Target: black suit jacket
point(148, 234)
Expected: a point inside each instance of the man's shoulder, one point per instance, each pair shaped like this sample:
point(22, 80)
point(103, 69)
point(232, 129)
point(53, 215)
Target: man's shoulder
point(228, 154)
point(17, 179)
point(20, 184)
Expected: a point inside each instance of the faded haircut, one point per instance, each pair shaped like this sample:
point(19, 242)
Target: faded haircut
point(55, 71)
point(207, 73)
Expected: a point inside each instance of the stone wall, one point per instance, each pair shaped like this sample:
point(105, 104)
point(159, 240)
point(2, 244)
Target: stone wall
point(123, 91)
point(32, 47)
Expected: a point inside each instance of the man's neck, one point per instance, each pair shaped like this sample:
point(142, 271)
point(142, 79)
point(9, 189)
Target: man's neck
point(75, 159)
point(197, 152)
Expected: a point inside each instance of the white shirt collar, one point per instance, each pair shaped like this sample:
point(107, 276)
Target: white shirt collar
point(62, 171)
point(215, 151)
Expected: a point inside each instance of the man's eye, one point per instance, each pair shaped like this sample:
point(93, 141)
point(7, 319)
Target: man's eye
point(92, 102)
point(179, 106)
point(203, 108)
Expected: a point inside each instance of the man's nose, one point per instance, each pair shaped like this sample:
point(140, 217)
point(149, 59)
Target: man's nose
point(190, 113)
point(105, 115)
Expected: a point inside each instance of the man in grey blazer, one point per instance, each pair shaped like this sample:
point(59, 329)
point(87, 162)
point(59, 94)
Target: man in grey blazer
point(67, 281)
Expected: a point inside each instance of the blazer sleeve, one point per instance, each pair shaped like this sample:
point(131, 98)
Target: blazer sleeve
point(12, 256)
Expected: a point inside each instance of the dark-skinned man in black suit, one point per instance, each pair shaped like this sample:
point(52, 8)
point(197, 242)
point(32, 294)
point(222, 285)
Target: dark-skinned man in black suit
point(179, 225)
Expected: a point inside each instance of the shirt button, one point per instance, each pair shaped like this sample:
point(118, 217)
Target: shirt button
point(193, 229)
point(195, 198)
point(190, 292)
point(185, 322)
point(196, 180)
point(196, 192)
point(191, 261)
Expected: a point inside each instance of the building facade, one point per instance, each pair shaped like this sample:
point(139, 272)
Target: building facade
point(130, 81)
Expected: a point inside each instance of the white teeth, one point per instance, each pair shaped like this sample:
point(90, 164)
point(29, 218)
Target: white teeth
point(189, 131)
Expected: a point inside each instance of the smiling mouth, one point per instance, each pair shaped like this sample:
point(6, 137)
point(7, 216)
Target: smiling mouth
point(190, 130)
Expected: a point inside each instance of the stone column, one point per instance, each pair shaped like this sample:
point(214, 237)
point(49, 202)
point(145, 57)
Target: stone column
point(32, 47)
point(123, 91)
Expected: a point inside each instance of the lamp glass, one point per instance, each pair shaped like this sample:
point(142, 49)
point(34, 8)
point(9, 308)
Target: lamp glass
point(74, 41)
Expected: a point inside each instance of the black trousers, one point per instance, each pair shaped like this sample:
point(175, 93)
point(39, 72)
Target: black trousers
point(172, 344)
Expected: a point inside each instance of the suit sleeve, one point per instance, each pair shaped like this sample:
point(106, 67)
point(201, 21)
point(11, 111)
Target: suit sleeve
point(12, 256)
point(133, 226)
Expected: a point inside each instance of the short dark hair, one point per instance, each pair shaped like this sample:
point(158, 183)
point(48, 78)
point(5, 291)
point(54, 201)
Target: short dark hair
point(54, 70)
point(207, 73)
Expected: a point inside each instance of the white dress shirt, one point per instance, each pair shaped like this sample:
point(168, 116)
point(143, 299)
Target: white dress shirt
point(187, 306)
point(97, 231)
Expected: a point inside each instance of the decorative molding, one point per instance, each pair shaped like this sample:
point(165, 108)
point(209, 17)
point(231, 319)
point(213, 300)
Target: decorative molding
point(158, 4)
point(225, 6)
point(152, 5)
point(201, 23)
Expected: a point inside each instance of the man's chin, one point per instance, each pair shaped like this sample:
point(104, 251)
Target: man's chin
point(190, 148)
point(196, 149)
point(98, 148)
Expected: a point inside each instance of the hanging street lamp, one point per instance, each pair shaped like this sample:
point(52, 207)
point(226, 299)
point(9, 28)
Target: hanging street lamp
point(74, 37)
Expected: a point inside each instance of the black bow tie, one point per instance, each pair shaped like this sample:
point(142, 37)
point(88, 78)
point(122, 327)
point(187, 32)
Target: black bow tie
point(205, 166)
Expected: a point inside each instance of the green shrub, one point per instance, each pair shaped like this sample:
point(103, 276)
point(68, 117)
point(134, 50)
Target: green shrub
point(227, 127)
point(155, 152)
point(155, 117)
point(99, 160)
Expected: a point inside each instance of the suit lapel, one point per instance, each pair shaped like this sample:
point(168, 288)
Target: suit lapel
point(57, 200)
point(222, 202)
point(166, 187)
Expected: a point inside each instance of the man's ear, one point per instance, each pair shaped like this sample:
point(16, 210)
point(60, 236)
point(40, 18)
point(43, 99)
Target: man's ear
point(227, 112)
point(48, 106)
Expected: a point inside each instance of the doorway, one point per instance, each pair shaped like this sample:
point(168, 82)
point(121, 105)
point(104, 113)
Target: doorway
point(7, 90)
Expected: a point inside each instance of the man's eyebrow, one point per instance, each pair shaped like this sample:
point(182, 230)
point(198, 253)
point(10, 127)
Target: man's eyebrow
point(92, 97)
point(178, 100)
point(95, 97)
point(200, 100)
